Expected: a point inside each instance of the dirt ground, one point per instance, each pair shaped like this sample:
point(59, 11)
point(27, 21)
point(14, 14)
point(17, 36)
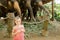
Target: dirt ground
point(35, 37)
point(53, 34)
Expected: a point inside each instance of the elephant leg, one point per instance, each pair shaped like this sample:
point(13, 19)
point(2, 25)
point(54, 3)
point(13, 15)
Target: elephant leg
point(28, 4)
point(29, 16)
point(35, 15)
point(17, 8)
point(35, 11)
point(24, 14)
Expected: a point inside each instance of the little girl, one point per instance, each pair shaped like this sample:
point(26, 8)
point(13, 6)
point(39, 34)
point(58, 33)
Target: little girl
point(18, 30)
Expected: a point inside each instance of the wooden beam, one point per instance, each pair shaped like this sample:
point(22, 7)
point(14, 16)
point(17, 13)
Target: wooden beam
point(34, 22)
point(44, 31)
point(52, 10)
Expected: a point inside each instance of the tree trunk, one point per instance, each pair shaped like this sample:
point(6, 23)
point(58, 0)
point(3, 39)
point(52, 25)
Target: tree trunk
point(10, 23)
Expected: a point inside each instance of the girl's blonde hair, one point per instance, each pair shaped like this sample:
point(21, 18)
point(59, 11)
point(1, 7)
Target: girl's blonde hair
point(16, 18)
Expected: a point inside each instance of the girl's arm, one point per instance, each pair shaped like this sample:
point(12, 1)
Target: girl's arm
point(22, 29)
point(13, 31)
point(13, 34)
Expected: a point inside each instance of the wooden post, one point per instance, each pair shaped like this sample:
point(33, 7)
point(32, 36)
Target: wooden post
point(10, 23)
point(52, 10)
point(45, 26)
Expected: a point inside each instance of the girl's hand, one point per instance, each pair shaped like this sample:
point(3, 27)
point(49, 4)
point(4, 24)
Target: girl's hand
point(13, 34)
point(23, 30)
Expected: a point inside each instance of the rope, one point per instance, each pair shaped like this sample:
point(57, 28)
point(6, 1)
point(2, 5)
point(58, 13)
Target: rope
point(33, 22)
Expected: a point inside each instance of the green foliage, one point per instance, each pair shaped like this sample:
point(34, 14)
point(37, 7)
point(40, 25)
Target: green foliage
point(56, 10)
point(1, 26)
point(33, 28)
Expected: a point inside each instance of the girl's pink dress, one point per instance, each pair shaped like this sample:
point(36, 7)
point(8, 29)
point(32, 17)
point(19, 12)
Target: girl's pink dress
point(19, 35)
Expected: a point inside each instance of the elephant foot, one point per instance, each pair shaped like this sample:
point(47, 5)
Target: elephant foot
point(33, 19)
point(28, 19)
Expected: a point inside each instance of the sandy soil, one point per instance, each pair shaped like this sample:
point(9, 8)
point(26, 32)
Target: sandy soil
point(53, 34)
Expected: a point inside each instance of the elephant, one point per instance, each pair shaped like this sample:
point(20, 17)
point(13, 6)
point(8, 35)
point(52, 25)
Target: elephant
point(22, 5)
point(13, 5)
point(26, 5)
point(36, 4)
